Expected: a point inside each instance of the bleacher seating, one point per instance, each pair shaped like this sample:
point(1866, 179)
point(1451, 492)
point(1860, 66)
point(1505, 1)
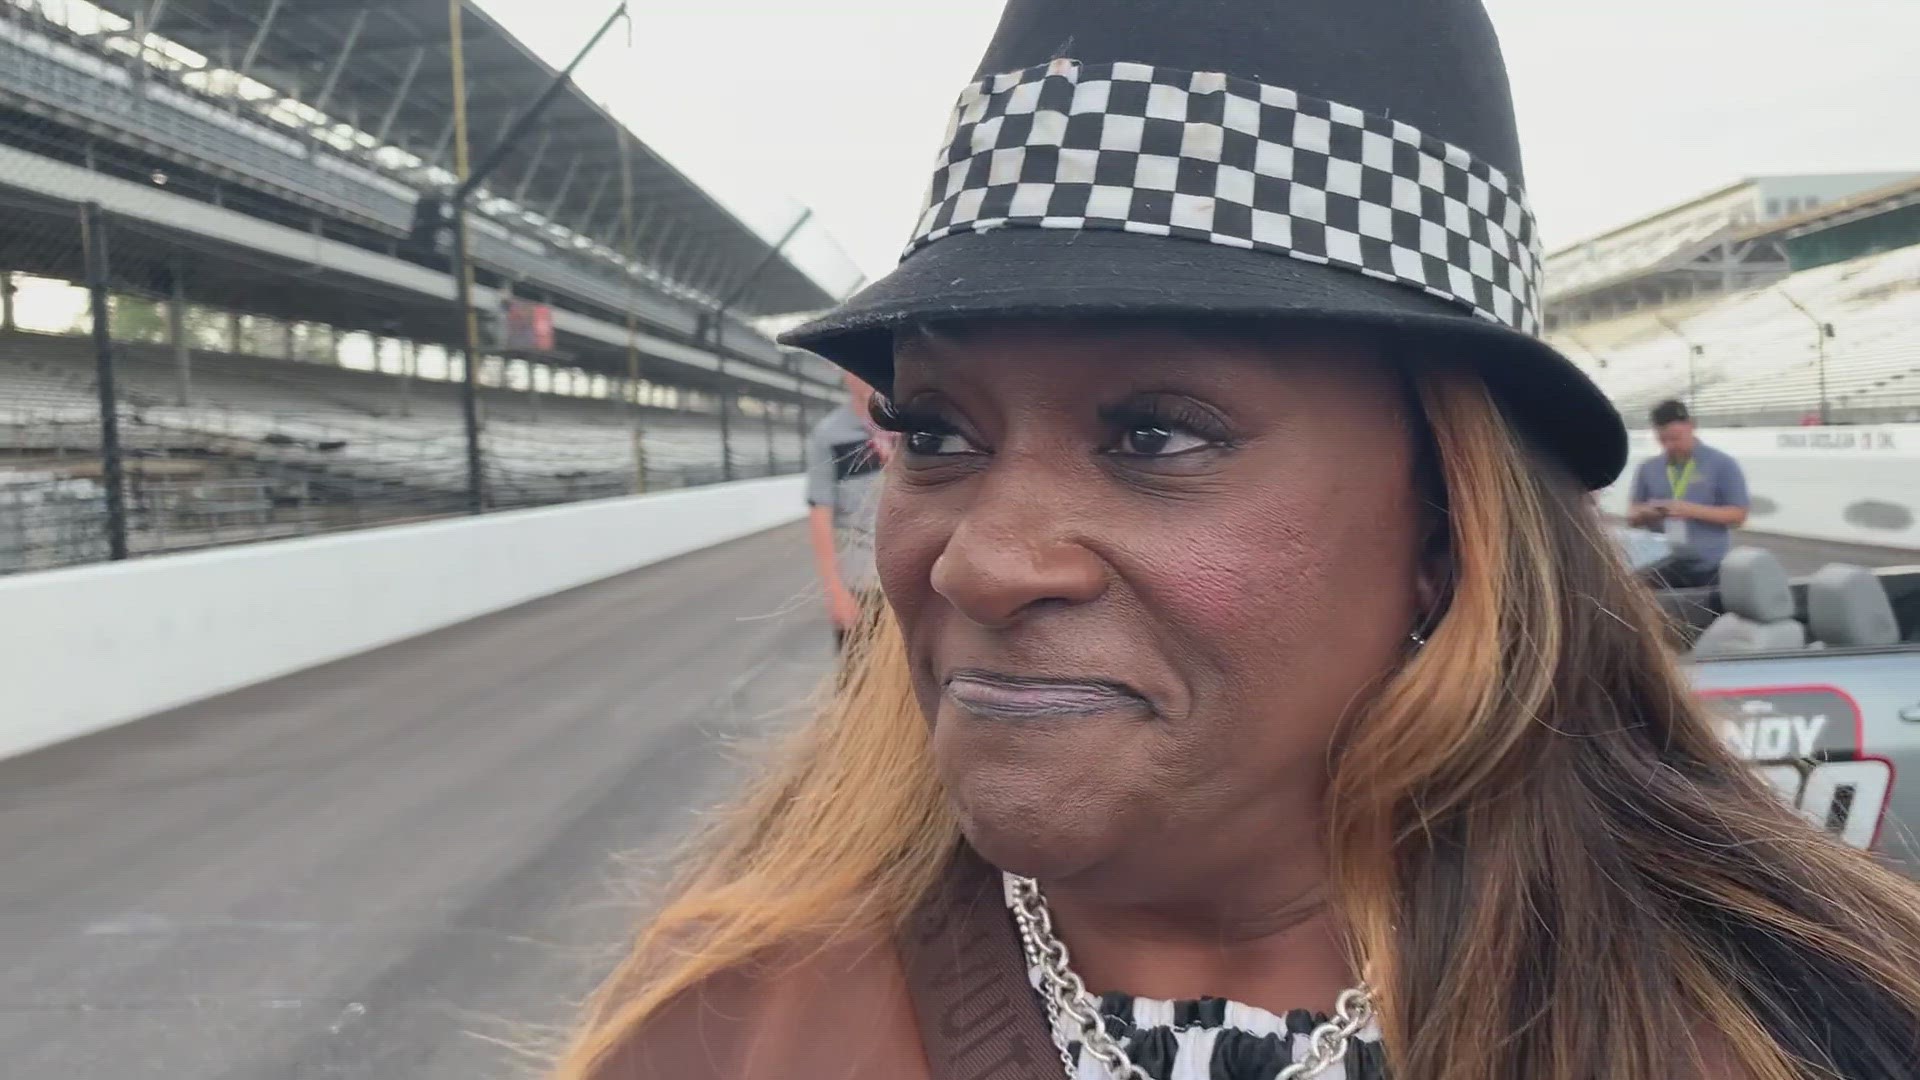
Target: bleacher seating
point(1759, 359)
point(347, 427)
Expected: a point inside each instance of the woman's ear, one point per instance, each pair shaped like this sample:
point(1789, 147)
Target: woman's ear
point(1433, 584)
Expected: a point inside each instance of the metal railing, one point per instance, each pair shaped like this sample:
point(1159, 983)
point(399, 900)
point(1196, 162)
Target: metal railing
point(276, 448)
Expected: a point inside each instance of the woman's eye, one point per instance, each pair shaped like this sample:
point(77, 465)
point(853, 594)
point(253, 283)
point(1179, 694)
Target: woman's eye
point(1165, 427)
point(935, 443)
point(921, 432)
point(1159, 440)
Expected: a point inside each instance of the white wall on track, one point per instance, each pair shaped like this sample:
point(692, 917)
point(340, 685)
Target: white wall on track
point(1855, 485)
point(85, 648)
point(89, 647)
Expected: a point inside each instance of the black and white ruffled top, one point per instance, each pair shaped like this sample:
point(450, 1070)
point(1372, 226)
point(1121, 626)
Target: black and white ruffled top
point(1216, 1039)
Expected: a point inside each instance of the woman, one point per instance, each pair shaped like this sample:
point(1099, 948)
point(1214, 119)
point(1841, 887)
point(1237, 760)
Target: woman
point(1255, 658)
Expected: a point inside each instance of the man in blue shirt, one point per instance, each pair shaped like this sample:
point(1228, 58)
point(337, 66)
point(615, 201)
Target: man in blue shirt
point(1695, 494)
point(844, 459)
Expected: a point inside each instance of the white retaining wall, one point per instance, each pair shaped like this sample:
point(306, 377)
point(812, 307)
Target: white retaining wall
point(1856, 485)
point(86, 648)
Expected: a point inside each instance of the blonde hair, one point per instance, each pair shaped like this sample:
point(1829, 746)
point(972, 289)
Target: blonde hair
point(1549, 863)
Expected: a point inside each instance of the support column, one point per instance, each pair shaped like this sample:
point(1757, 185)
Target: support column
point(233, 333)
point(93, 238)
point(800, 424)
point(333, 345)
point(533, 388)
point(7, 289)
point(177, 337)
point(773, 456)
point(726, 432)
point(409, 368)
point(286, 339)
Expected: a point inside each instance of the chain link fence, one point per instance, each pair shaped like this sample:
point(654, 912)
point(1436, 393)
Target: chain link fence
point(183, 426)
point(243, 428)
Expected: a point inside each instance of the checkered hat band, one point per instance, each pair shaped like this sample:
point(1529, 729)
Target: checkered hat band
point(1230, 161)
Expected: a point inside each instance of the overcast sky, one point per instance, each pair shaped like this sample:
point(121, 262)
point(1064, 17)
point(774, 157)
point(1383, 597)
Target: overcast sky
point(1625, 105)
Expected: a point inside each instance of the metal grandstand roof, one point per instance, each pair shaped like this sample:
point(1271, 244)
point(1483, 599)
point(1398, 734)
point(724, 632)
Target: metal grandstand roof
point(1864, 205)
point(384, 67)
point(1674, 239)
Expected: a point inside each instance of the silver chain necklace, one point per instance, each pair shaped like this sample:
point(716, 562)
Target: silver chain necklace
point(1070, 1006)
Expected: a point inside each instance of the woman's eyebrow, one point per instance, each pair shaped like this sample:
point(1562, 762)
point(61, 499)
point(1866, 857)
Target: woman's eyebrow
point(922, 351)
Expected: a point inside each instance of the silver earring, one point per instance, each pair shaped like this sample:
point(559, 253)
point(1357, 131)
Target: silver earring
point(1418, 641)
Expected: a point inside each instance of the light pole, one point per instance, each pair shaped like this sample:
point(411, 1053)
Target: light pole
point(1822, 330)
point(1694, 349)
point(454, 214)
point(713, 326)
point(1599, 361)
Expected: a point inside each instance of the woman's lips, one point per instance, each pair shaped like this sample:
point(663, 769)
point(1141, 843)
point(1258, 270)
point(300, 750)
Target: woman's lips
point(1011, 697)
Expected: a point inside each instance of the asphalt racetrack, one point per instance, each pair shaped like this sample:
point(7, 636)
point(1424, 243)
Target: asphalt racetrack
point(408, 865)
point(405, 866)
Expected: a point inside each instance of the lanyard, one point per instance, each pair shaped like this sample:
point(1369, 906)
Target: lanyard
point(1681, 479)
point(978, 1015)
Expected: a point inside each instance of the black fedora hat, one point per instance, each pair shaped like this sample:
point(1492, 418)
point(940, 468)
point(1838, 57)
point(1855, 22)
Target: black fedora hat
point(1328, 161)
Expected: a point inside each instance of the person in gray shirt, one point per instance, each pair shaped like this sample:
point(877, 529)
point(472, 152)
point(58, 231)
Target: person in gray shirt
point(845, 454)
point(1694, 493)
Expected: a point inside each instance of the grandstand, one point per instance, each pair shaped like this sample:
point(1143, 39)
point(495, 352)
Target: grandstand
point(272, 448)
point(1721, 242)
point(1825, 325)
point(254, 134)
point(1877, 220)
point(261, 161)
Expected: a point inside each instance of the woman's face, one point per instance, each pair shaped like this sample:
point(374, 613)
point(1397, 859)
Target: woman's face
point(1141, 576)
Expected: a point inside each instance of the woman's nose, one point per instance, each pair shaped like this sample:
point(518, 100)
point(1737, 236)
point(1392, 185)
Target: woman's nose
point(1009, 555)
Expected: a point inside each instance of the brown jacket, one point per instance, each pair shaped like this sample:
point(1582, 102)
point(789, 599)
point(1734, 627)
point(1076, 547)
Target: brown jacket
point(946, 998)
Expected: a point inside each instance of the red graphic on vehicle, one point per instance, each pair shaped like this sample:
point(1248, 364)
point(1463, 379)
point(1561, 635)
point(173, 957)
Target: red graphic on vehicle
point(1807, 742)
